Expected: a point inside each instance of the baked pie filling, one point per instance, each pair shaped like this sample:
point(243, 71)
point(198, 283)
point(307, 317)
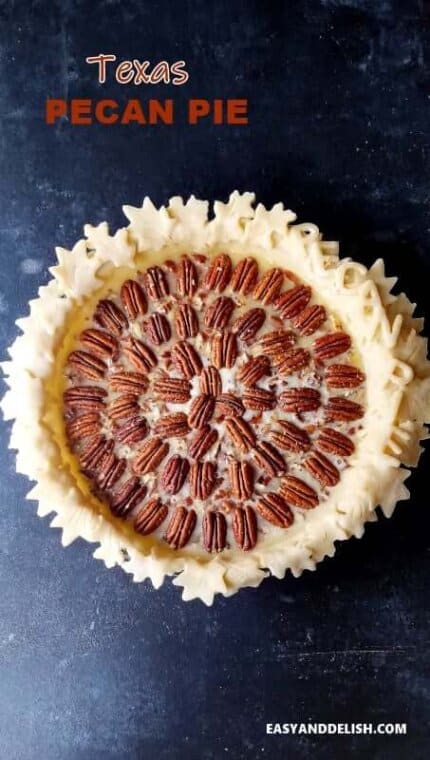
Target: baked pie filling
point(208, 403)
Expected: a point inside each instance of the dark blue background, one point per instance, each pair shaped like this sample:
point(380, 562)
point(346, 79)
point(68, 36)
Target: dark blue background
point(92, 666)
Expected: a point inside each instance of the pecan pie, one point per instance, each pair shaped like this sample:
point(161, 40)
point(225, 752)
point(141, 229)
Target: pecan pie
point(252, 424)
point(206, 409)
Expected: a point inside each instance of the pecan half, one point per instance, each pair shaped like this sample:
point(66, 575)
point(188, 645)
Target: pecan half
point(172, 389)
point(298, 493)
point(203, 440)
point(180, 527)
point(173, 425)
point(223, 350)
point(291, 438)
point(126, 497)
point(331, 345)
point(218, 313)
point(269, 286)
point(245, 528)
point(202, 479)
point(150, 517)
point(245, 276)
point(241, 477)
point(186, 278)
point(273, 508)
point(342, 409)
point(95, 471)
point(86, 365)
point(310, 319)
point(186, 359)
point(253, 370)
point(268, 459)
point(100, 343)
point(109, 471)
point(201, 410)
point(84, 398)
point(293, 301)
point(299, 400)
point(292, 361)
point(248, 325)
point(133, 298)
point(218, 274)
point(214, 531)
point(240, 432)
point(186, 321)
point(228, 405)
point(131, 431)
point(322, 469)
point(141, 357)
point(150, 456)
point(174, 474)
point(128, 382)
point(333, 442)
point(158, 329)
point(210, 381)
point(276, 342)
point(110, 316)
point(84, 426)
point(259, 399)
point(123, 407)
point(155, 283)
point(343, 376)
point(93, 452)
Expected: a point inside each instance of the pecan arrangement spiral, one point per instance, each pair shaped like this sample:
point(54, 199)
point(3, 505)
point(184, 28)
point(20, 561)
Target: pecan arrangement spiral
point(208, 403)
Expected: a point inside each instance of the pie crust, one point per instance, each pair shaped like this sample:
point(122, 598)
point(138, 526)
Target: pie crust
point(354, 345)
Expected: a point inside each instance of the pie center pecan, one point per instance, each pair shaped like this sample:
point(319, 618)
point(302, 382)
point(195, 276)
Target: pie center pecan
point(208, 402)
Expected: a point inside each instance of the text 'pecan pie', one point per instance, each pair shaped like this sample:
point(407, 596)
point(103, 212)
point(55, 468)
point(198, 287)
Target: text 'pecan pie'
point(218, 399)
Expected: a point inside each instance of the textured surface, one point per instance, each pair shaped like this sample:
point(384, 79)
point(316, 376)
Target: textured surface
point(91, 666)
